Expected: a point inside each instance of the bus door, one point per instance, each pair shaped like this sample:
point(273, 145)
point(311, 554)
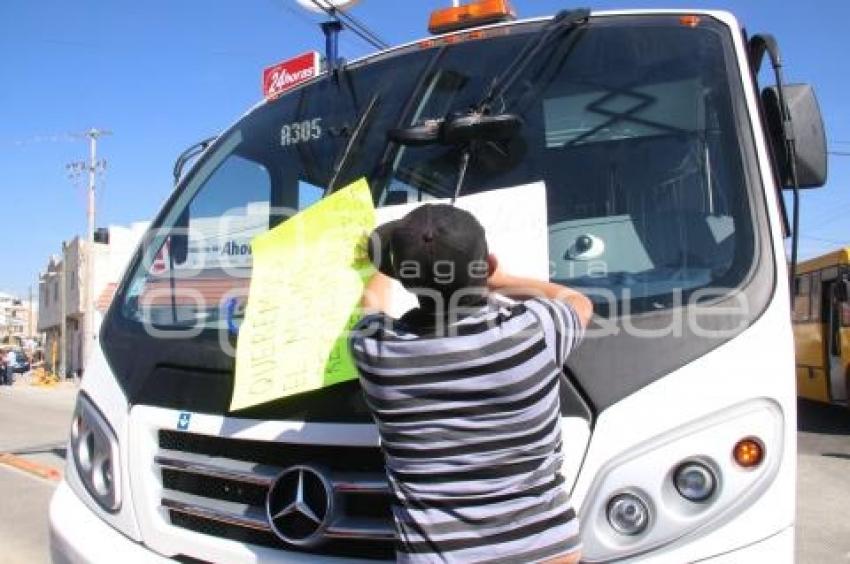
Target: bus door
point(831, 323)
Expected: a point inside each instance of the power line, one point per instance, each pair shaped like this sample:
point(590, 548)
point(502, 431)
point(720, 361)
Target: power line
point(839, 153)
point(353, 25)
point(373, 38)
point(33, 139)
point(381, 44)
point(830, 217)
point(295, 12)
point(823, 240)
point(299, 14)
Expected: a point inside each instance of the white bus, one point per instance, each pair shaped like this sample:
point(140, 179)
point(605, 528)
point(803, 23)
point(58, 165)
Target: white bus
point(663, 167)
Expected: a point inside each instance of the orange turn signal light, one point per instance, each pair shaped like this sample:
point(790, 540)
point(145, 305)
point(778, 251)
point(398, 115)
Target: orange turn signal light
point(469, 15)
point(689, 20)
point(748, 453)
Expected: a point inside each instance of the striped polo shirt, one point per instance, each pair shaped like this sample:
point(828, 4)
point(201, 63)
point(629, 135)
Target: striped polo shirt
point(469, 420)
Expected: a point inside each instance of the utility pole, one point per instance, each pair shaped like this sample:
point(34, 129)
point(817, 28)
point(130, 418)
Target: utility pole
point(93, 166)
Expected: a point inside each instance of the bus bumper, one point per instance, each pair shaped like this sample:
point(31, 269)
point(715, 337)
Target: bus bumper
point(78, 536)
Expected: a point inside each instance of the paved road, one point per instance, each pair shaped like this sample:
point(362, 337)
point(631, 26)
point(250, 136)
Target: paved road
point(34, 424)
point(823, 484)
point(23, 507)
point(34, 421)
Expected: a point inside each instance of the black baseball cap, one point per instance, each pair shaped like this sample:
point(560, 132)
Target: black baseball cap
point(435, 246)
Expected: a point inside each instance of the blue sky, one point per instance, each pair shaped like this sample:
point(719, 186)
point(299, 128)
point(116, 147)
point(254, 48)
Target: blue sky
point(163, 74)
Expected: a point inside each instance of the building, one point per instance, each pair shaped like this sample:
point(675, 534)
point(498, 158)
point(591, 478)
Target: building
point(15, 320)
point(31, 316)
point(9, 324)
point(62, 292)
point(50, 310)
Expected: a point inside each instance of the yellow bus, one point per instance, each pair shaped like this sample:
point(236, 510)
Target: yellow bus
point(822, 327)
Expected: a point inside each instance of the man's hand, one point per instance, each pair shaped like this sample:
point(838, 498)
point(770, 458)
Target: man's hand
point(497, 278)
point(377, 294)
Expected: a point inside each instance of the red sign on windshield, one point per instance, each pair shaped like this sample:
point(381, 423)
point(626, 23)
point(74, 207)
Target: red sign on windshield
point(288, 74)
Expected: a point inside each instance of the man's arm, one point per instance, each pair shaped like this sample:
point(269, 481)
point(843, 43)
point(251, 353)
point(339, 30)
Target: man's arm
point(377, 294)
point(521, 287)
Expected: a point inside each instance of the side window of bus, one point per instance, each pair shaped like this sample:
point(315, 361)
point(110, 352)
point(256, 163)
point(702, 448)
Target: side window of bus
point(230, 209)
point(802, 299)
point(844, 304)
point(815, 297)
point(205, 258)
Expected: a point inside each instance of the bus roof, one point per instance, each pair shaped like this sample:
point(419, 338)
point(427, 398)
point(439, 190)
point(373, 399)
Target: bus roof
point(722, 15)
point(840, 256)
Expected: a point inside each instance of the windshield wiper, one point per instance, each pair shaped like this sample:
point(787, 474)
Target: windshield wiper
point(507, 124)
point(356, 134)
point(480, 123)
point(564, 21)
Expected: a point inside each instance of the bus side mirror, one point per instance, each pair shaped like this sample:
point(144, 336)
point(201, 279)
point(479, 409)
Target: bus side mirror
point(808, 131)
point(189, 154)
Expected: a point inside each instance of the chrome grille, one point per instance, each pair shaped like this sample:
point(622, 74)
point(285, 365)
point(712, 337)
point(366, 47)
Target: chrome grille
point(218, 486)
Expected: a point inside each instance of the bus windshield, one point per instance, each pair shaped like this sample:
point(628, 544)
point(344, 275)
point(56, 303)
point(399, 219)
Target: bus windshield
point(633, 126)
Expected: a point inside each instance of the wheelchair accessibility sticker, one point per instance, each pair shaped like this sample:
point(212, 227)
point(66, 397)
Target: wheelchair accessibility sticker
point(183, 421)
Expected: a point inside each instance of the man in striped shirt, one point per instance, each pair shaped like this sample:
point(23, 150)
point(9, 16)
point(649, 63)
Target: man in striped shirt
point(464, 391)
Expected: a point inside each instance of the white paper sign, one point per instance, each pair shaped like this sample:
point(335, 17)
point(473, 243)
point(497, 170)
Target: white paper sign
point(514, 220)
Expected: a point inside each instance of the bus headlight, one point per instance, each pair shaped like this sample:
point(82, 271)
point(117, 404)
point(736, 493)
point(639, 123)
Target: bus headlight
point(694, 481)
point(680, 482)
point(628, 514)
point(94, 448)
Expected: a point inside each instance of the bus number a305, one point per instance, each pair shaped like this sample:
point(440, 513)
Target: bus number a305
point(300, 132)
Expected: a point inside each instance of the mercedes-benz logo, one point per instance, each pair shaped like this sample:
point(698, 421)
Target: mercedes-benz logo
point(299, 505)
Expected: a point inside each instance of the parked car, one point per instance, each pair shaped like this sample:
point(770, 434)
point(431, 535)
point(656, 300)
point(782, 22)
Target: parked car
point(22, 363)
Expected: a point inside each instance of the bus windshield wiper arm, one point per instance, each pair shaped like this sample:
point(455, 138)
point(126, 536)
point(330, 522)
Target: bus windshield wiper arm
point(466, 129)
point(356, 133)
point(564, 20)
point(479, 120)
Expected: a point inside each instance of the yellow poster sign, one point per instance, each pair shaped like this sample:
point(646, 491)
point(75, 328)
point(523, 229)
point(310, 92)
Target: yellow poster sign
point(307, 279)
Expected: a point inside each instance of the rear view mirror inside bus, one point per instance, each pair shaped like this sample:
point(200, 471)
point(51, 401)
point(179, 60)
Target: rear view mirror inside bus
point(808, 131)
point(460, 130)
